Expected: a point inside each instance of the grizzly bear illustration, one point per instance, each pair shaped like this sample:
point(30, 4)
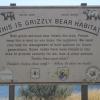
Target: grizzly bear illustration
point(91, 14)
point(8, 15)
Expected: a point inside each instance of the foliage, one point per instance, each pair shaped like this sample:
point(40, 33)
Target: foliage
point(46, 91)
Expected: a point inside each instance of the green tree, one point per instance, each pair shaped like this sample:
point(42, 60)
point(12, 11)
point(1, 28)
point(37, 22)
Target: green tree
point(47, 91)
point(25, 92)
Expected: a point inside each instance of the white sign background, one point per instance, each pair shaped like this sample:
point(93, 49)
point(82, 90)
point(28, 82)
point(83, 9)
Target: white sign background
point(49, 44)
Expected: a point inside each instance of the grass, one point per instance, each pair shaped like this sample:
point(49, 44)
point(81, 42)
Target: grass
point(92, 95)
point(74, 96)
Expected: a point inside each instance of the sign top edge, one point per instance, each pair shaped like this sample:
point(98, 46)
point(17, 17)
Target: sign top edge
point(44, 7)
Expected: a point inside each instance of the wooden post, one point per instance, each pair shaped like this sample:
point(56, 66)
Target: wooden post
point(11, 92)
point(84, 92)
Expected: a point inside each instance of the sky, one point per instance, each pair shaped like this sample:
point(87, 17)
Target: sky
point(48, 2)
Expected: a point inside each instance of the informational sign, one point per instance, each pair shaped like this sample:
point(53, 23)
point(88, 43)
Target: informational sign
point(49, 44)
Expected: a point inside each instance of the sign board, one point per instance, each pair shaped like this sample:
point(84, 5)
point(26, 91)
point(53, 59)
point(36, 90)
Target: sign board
point(49, 44)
